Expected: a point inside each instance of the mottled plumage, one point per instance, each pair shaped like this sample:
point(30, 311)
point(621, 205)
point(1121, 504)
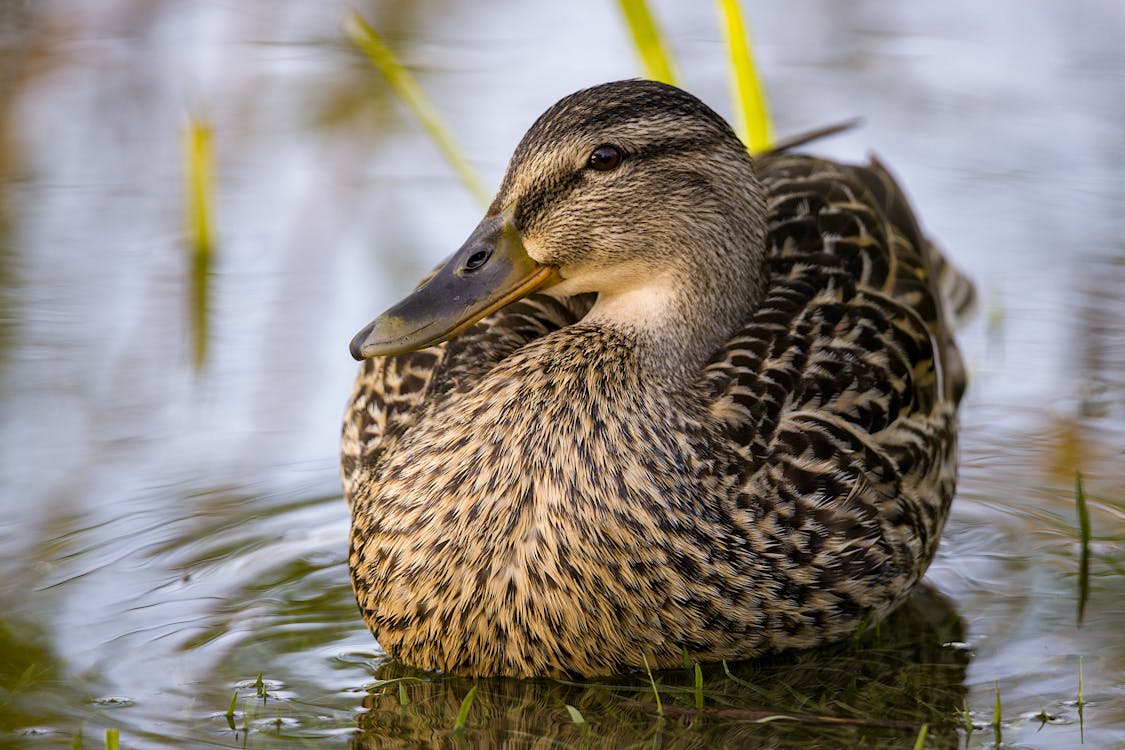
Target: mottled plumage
point(729, 429)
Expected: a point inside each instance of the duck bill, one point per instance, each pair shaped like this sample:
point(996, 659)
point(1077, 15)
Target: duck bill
point(492, 269)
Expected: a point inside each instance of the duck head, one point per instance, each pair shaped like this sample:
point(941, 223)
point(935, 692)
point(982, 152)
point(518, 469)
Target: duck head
point(635, 190)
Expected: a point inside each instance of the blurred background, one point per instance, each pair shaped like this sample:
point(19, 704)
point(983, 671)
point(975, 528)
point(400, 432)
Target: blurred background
point(169, 530)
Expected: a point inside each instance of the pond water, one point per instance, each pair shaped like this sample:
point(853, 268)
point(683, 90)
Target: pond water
point(169, 533)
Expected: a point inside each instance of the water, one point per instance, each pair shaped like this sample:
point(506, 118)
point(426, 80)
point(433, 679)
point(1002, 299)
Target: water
point(167, 534)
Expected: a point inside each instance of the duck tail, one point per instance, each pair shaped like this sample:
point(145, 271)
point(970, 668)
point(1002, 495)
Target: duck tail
point(957, 289)
point(952, 289)
point(801, 139)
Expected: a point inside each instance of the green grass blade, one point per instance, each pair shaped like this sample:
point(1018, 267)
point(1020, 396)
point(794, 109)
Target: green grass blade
point(112, 740)
point(463, 714)
point(649, 41)
point(199, 199)
point(996, 706)
point(652, 681)
point(575, 715)
point(1081, 704)
point(1081, 697)
point(732, 678)
point(230, 710)
point(996, 716)
point(698, 686)
point(920, 740)
point(1084, 537)
point(372, 45)
point(752, 114)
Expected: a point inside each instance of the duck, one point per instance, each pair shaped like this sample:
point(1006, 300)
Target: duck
point(669, 402)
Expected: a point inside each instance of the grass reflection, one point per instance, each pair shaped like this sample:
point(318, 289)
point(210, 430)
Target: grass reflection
point(199, 200)
point(34, 685)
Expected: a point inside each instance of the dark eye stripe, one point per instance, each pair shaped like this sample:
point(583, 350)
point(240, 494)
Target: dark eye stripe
point(546, 191)
point(537, 197)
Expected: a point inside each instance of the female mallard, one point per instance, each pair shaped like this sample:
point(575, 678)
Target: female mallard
point(709, 406)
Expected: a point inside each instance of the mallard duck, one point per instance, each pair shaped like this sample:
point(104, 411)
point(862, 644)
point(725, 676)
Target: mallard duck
point(666, 402)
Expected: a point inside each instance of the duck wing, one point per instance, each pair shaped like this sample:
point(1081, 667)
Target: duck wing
point(840, 393)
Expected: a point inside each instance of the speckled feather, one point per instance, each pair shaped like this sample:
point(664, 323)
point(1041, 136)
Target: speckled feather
point(526, 501)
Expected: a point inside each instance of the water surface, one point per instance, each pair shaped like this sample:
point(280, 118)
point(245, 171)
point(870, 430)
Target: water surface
point(168, 532)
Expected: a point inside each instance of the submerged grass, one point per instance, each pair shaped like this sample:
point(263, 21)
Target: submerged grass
point(199, 200)
point(400, 79)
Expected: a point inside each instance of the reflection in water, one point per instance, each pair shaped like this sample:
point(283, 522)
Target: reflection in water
point(912, 670)
point(1101, 355)
point(18, 40)
point(30, 676)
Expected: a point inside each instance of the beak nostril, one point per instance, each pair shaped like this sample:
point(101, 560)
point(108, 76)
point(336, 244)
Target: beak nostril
point(478, 259)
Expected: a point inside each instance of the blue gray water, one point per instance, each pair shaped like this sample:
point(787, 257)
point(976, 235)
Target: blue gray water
point(166, 533)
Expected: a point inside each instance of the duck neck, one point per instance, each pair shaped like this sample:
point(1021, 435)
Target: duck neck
point(678, 322)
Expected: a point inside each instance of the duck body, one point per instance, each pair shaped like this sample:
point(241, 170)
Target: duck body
point(644, 457)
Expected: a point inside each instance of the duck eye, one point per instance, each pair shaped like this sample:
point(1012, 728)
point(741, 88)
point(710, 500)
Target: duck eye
point(605, 158)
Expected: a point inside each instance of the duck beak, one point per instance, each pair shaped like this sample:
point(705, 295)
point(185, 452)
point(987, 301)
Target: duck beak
point(491, 270)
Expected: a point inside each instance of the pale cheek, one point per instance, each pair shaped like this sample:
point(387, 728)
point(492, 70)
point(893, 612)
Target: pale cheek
point(559, 246)
point(535, 249)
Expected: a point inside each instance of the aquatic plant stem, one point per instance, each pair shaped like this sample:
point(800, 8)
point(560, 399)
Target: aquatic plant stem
point(996, 714)
point(655, 692)
point(372, 45)
point(1081, 704)
point(649, 41)
point(230, 710)
point(463, 714)
point(752, 117)
point(1084, 537)
point(920, 740)
point(698, 686)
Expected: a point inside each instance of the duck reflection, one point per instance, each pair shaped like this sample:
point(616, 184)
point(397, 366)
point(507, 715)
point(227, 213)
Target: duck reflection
point(886, 682)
